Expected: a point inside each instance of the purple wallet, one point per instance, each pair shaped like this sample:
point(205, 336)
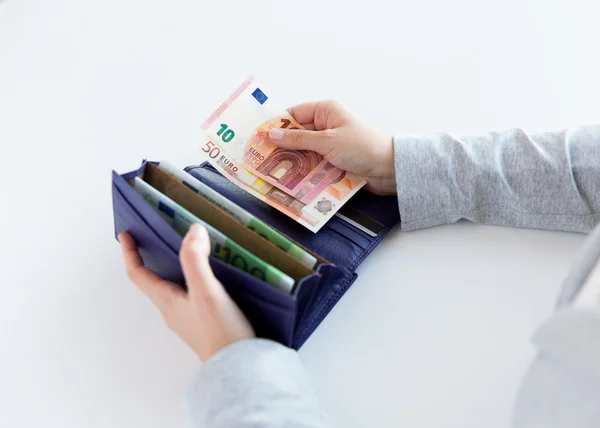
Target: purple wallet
point(286, 318)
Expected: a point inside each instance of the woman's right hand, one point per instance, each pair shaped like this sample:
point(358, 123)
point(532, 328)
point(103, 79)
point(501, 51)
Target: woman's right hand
point(344, 140)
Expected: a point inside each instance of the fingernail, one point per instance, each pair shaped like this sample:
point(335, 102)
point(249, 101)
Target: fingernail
point(276, 134)
point(197, 232)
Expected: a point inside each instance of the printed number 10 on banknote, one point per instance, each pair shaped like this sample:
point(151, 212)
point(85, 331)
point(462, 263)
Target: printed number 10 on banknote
point(241, 127)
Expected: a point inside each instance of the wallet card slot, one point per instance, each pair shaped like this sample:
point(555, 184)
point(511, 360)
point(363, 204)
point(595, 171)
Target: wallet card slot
point(382, 211)
point(359, 237)
point(224, 222)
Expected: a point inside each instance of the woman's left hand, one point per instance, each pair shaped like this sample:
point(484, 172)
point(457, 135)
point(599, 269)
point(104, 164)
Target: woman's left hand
point(205, 317)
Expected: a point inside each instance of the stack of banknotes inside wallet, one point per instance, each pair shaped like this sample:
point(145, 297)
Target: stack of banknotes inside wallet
point(287, 228)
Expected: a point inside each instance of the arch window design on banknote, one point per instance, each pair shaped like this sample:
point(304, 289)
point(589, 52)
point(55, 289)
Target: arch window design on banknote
point(301, 173)
point(289, 167)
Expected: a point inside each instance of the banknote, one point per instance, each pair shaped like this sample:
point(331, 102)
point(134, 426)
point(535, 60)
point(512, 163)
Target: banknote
point(221, 246)
point(312, 216)
point(241, 127)
point(240, 214)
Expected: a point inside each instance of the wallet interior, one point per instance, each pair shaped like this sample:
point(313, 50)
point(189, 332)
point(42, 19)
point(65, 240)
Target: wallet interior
point(224, 222)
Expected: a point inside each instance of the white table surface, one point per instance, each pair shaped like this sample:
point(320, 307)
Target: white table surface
point(435, 331)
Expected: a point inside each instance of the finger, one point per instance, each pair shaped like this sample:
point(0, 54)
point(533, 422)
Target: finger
point(309, 126)
point(195, 263)
point(299, 139)
point(161, 292)
point(305, 112)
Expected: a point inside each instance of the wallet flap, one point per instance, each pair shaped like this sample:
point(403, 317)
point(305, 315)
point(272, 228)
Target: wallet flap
point(337, 241)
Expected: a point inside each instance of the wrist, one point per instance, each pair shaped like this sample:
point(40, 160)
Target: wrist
point(384, 179)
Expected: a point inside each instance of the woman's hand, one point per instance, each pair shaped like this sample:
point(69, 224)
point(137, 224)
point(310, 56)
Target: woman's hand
point(344, 140)
point(205, 317)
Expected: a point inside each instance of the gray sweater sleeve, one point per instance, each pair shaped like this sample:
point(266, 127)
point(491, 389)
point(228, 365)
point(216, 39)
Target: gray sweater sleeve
point(254, 383)
point(511, 178)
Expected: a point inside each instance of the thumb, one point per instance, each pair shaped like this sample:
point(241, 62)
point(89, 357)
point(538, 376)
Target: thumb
point(194, 253)
point(301, 139)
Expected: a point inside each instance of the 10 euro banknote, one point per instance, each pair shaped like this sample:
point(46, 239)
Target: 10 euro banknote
point(240, 127)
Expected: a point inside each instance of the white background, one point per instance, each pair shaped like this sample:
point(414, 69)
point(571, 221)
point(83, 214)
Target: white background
point(435, 331)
